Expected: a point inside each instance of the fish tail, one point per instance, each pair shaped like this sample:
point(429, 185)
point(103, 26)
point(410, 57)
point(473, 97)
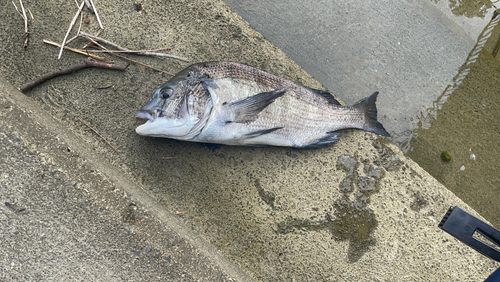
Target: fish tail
point(370, 109)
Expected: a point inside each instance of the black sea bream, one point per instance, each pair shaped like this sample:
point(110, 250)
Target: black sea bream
point(235, 104)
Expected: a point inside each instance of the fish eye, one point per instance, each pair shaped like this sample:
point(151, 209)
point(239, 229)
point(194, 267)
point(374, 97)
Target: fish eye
point(166, 93)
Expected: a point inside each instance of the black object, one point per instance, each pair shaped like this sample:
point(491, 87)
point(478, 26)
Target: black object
point(495, 277)
point(462, 225)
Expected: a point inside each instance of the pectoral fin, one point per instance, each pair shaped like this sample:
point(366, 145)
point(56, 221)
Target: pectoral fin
point(261, 132)
point(248, 109)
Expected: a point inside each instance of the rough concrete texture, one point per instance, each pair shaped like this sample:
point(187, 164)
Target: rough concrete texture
point(358, 210)
point(61, 219)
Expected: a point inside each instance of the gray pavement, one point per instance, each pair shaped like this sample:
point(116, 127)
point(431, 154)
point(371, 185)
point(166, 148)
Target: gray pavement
point(358, 210)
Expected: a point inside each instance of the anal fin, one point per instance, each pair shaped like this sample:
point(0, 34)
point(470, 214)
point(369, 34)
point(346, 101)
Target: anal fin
point(329, 138)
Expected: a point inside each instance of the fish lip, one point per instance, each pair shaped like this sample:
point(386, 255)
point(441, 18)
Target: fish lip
point(148, 115)
point(144, 115)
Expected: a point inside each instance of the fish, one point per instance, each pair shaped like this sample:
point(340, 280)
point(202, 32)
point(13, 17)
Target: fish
point(236, 104)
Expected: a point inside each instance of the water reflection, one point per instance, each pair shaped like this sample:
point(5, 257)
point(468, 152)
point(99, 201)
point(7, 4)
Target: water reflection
point(423, 121)
point(471, 8)
point(465, 121)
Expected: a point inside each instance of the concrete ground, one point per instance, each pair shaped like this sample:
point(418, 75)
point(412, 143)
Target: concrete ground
point(74, 209)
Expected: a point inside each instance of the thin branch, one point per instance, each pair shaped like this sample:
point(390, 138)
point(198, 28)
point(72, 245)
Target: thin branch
point(71, 39)
point(89, 6)
point(129, 51)
point(91, 42)
point(100, 136)
point(75, 50)
point(17, 9)
point(99, 39)
point(32, 18)
point(128, 59)
point(25, 18)
point(144, 65)
point(81, 65)
point(70, 27)
point(96, 14)
point(80, 25)
point(89, 36)
point(26, 33)
point(78, 32)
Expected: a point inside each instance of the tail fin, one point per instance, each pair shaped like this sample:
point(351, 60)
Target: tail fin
point(370, 109)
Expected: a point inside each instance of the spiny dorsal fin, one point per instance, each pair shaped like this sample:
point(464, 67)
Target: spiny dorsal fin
point(247, 110)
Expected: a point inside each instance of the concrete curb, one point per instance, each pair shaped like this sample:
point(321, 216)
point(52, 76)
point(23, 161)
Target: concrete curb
point(31, 124)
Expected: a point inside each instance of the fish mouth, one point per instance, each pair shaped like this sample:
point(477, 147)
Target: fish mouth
point(148, 115)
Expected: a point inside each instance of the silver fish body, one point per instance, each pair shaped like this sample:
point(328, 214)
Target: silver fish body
point(235, 104)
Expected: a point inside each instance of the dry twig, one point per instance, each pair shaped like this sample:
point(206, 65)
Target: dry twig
point(25, 18)
point(128, 59)
point(32, 18)
point(95, 38)
point(75, 50)
point(129, 51)
point(96, 14)
point(70, 27)
point(144, 65)
point(100, 136)
point(17, 8)
point(81, 65)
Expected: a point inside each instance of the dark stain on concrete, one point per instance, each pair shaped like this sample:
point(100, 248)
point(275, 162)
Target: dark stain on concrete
point(266, 196)
point(419, 202)
point(351, 219)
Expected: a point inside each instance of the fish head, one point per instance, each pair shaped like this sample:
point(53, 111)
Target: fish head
point(176, 109)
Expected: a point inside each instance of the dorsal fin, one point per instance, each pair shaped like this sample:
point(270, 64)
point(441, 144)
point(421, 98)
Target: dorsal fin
point(327, 95)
